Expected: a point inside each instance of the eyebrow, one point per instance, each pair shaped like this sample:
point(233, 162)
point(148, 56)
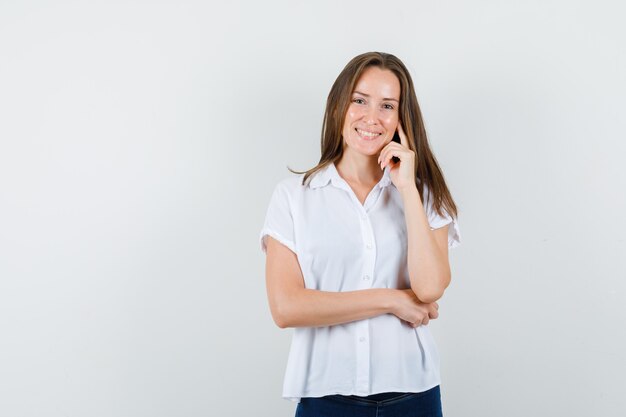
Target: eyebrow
point(367, 95)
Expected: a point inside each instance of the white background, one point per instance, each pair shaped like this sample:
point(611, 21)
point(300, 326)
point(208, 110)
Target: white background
point(140, 142)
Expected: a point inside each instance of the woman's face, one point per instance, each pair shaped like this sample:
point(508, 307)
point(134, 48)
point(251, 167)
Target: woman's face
point(372, 117)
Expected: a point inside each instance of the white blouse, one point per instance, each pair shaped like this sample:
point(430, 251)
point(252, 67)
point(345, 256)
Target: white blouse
point(343, 245)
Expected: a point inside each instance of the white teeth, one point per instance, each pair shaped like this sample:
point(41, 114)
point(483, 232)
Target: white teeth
point(368, 134)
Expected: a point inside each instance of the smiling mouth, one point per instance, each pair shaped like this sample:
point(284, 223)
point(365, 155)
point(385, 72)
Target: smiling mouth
point(365, 135)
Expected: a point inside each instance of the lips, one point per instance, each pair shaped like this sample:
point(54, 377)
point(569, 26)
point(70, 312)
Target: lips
point(367, 135)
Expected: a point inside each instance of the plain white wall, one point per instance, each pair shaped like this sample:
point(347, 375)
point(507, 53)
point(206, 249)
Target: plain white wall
point(140, 142)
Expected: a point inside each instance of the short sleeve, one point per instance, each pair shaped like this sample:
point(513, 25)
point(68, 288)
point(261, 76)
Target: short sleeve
point(436, 221)
point(278, 219)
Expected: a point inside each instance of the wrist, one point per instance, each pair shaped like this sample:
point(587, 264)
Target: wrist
point(388, 300)
point(408, 191)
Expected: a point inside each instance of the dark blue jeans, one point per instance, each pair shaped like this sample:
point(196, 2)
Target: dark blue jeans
point(387, 404)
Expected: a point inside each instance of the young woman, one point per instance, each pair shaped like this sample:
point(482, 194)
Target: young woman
point(357, 253)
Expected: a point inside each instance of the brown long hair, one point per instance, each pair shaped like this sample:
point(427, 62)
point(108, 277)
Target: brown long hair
point(427, 171)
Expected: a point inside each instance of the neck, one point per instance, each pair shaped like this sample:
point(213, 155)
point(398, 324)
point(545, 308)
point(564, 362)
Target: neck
point(360, 169)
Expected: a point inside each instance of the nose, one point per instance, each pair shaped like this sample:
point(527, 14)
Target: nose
point(371, 115)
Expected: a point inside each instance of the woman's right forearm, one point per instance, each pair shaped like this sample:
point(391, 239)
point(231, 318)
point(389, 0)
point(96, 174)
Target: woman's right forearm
point(313, 308)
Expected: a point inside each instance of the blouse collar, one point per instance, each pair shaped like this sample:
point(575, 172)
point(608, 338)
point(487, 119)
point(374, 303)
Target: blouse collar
point(330, 174)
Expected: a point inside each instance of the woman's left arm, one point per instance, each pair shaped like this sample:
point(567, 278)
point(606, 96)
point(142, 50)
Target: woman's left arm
point(427, 250)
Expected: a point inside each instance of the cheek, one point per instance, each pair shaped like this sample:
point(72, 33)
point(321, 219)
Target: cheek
point(347, 123)
point(351, 115)
point(391, 119)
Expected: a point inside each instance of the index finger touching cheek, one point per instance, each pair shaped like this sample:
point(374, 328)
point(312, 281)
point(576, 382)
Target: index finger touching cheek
point(403, 139)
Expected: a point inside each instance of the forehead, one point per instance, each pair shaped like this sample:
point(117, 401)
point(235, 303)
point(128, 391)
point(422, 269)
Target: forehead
point(378, 83)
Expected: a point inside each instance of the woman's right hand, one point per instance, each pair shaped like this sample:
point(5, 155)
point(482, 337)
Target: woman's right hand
point(409, 308)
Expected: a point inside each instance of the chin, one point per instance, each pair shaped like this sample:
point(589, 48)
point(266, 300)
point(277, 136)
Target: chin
point(369, 152)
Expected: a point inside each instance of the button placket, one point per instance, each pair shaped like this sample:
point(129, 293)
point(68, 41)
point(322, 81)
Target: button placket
point(370, 253)
point(362, 326)
point(362, 357)
point(366, 231)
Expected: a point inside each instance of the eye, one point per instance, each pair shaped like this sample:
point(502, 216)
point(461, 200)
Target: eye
point(356, 100)
point(389, 107)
